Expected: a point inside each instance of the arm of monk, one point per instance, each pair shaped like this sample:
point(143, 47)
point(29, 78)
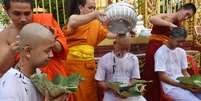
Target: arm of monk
point(7, 54)
point(162, 20)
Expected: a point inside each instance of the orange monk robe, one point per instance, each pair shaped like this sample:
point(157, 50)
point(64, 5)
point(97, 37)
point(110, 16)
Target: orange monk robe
point(56, 64)
point(90, 34)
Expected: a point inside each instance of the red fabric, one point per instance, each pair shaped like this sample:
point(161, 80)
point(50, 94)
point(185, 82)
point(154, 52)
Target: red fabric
point(17, 58)
point(153, 89)
point(56, 64)
point(194, 70)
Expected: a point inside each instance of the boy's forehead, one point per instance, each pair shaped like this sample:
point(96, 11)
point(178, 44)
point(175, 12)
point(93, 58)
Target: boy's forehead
point(123, 38)
point(20, 5)
point(178, 38)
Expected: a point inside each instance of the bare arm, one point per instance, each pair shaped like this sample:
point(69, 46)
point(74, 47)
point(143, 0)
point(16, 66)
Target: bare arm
point(185, 73)
point(164, 77)
point(7, 58)
point(7, 54)
point(78, 20)
point(162, 20)
point(111, 35)
point(103, 85)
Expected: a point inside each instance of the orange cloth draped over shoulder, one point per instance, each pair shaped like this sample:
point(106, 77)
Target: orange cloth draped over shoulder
point(80, 58)
point(56, 64)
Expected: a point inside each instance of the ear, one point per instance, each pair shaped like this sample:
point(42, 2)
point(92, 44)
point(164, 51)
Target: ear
point(114, 42)
point(80, 7)
point(27, 51)
point(6, 9)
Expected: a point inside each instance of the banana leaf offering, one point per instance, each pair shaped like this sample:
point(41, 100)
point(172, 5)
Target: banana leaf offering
point(193, 81)
point(136, 88)
point(58, 86)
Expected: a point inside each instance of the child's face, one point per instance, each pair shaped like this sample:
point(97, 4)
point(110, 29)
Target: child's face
point(176, 42)
point(122, 45)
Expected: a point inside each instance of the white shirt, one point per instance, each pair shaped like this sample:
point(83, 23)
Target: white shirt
point(15, 86)
point(114, 69)
point(171, 62)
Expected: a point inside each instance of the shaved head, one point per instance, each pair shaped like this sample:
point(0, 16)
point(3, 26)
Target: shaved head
point(34, 34)
point(36, 43)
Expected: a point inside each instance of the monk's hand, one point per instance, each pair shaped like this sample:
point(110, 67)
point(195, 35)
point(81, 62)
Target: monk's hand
point(99, 13)
point(57, 47)
point(172, 26)
point(106, 21)
point(14, 46)
point(102, 16)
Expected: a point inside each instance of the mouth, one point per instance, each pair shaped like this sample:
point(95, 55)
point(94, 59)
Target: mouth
point(22, 25)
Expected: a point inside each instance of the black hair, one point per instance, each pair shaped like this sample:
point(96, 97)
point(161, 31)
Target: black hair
point(189, 6)
point(6, 3)
point(73, 6)
point(178, 32)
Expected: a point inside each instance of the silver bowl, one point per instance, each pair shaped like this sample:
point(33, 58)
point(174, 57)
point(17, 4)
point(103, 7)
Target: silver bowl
point(122, 17)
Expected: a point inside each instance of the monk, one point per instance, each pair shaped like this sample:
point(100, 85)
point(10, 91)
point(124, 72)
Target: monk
point(162, 25)
point(35, 50)
point(84, 32)
point(20, 12)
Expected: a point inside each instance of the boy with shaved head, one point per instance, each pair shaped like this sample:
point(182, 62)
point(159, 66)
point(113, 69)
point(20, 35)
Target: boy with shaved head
point(118, 66)
point(35, 49)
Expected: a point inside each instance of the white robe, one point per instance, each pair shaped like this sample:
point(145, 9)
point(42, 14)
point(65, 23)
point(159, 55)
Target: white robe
point(15, 86)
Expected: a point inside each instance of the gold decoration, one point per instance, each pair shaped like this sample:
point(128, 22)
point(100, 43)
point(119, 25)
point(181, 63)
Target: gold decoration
point(197, 22)
point(148, 8)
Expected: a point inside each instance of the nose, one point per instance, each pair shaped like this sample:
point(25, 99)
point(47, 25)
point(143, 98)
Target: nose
point(50, 54)
point(23, 19)
point(186, 18)
point(92, 10)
